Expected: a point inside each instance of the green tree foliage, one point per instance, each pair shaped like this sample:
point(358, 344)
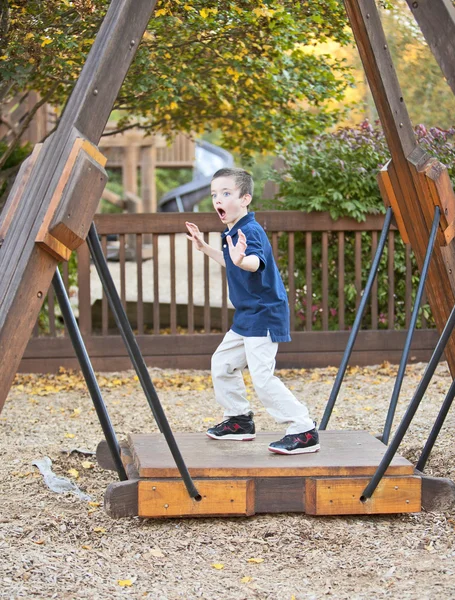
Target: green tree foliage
point(244, 67)
point(336, 172)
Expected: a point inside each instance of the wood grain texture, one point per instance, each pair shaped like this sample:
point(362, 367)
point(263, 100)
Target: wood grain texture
point(120, 499)
point(342, 453)
point(341, 496)
point(220, 497)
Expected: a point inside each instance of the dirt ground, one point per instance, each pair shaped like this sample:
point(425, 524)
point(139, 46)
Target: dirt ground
point(58, 546)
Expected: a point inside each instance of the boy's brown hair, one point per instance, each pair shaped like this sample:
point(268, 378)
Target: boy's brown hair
point(242, 178)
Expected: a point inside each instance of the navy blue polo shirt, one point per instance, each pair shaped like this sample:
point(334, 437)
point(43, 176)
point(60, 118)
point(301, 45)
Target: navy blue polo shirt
point(260, 299)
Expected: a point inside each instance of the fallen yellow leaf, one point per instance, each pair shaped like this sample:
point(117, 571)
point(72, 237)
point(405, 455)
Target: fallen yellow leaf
point(208, 419)
point(94, 503)
point(99, 530)
point(86, 547)
point(218, 566)
point(88, 465)
point(70, 435)
point(73, 472)
point(39, 542)
point(125, 582)
point(256, 560)
point(246, 579)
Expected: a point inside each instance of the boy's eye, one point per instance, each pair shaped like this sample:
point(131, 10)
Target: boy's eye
point(226, 194)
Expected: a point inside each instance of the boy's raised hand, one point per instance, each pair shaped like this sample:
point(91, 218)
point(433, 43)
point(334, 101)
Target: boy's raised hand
point(195, 235)
point(237, 253)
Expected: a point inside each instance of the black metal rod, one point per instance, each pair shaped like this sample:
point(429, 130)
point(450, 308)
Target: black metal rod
point(137, 358)
point(358, 321)
point(411, 330)
point(89, 374)
point(412, 408)
point(436, 428)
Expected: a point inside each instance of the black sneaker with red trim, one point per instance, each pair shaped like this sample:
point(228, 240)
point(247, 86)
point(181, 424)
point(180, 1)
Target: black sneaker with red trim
point(297, 443)
point(240, 428)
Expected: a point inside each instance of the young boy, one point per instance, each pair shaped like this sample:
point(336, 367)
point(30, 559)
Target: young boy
point(261, 320)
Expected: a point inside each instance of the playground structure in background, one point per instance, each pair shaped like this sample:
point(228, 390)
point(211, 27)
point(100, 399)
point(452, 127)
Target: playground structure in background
point(49, 213)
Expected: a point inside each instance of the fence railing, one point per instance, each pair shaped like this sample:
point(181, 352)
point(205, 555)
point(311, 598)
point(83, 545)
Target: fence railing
point(168, 289)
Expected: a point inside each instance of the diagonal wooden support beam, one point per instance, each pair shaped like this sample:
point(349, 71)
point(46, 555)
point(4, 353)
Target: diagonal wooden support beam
point(418, 181)
point(50, 209)
point(436, 19)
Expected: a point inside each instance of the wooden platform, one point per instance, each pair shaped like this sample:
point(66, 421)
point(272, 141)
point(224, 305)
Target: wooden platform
point(244, 478)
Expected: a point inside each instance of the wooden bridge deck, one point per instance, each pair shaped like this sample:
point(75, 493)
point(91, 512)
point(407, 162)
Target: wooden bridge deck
point(244, 478)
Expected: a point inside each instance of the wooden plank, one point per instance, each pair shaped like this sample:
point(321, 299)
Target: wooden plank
point(309, 281)
point(391, 281)
point(374, 289)
point(438, 493)
point(206, 288)
point(190, 287)
point(156, 286)
point(291, 279)
point(122, 270)
point(286, 220)
point(358, 268)
point(341, 269)
point(104, 300)
point(279, 494)
point(223, 497)
point(172, 280)
point(175, 345)
point(408, 286)
point(343, 453)
point(51, 311)
point(121, 499)
point(140, 299)
point(83, 284)
point(325, 281)
point(341, 496)
point(308, 359)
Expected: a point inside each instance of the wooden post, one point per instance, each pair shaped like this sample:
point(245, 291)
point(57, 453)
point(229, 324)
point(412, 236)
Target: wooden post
point(148, 190)
point(46, 212)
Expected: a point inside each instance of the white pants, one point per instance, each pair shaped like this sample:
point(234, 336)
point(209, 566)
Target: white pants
point(236, 352)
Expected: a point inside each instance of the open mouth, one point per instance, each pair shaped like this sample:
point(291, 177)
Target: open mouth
point(221, 212)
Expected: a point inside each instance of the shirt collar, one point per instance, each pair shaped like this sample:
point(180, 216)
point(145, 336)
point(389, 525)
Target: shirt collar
point(243, 221)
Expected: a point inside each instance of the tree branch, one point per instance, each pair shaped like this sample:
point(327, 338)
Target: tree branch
point(25, 124)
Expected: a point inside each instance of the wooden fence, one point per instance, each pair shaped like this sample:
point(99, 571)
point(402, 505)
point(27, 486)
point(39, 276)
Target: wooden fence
point(178, 302)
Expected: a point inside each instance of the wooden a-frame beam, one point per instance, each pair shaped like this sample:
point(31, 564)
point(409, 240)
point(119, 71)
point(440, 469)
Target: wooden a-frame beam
point(419, 182)
point(50, 210)
point(436, 19)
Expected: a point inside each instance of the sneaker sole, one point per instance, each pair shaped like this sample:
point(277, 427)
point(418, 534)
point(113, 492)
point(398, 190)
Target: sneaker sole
point(297, 451)
point(233, 437)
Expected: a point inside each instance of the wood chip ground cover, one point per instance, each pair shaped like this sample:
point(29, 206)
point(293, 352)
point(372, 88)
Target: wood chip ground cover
point(57, 546)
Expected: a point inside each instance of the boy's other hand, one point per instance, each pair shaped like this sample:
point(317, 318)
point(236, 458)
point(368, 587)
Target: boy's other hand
point(237, 253)
point(195, 235)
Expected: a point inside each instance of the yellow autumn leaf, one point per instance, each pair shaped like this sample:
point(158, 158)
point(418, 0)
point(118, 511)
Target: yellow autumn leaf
point(160, 12)
point(204, 13)
point(218, 566)
point(246, 579)
point(70, 435)
point(125, 582)
point(255, 560)
point(99, 530)
point(173, 105)
point(84, 547)
point(76, 412)
point(88, 465)
point(208, 419)
point(94, 504)
point(73, 472)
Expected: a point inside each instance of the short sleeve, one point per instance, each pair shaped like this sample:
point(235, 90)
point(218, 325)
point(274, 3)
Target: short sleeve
point(255, 247)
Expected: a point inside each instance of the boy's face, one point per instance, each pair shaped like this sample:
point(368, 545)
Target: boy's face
point(228, 203)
